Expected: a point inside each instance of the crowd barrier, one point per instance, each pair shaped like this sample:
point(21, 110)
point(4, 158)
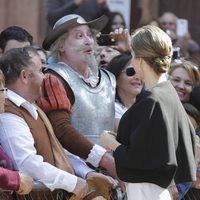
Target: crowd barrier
point(40, 192)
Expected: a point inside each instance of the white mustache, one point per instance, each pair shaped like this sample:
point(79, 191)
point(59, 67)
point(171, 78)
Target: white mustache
point(83, 48)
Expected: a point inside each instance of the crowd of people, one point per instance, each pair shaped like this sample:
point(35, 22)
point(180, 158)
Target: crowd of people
point(85, 119)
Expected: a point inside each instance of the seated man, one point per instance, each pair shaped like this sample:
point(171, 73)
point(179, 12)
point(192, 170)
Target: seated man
point(26, 134)
point(11, 180)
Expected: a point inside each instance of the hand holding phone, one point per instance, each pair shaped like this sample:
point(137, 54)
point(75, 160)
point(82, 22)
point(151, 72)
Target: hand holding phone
point(106, 40)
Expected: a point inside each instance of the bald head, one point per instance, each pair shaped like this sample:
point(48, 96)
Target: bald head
point(168, 21)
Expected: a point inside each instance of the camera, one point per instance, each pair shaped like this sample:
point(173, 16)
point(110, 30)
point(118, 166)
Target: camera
point(106, 40)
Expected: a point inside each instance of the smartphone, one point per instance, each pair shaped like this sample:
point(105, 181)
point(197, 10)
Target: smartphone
point(106, 40)
point(176, 53)
point(181, 27)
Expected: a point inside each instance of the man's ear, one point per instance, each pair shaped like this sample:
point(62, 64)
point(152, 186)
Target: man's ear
point(24, 75)
point(61, 49)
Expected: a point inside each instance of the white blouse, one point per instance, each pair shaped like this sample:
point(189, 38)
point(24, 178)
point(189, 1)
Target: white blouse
point(120, 109)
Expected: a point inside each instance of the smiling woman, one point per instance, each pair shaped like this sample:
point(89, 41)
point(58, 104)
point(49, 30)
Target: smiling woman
point(183, 76)
point(128, 84)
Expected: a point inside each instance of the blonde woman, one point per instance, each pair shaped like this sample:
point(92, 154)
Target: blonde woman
point(155, 140)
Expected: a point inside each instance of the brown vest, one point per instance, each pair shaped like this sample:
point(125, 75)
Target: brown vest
point(45, 143)
point(48, 146)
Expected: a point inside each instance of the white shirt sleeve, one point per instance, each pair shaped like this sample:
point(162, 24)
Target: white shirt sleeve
point(95, 155)
point(81, 169)
point(17, 140)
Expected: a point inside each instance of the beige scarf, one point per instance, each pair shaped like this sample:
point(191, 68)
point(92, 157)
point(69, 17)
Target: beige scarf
point(98, 188)
point(61, 159)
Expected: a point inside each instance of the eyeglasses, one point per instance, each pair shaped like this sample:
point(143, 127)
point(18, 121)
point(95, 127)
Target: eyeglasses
point(3, 91)
point(129, 71)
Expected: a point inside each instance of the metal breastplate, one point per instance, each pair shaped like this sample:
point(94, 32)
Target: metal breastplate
point(93, 110)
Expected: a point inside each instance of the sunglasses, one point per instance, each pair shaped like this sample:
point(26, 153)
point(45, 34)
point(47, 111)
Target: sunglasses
point(129, 71)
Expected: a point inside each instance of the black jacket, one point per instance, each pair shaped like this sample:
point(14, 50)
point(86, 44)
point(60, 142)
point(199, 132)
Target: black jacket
point(157, 140)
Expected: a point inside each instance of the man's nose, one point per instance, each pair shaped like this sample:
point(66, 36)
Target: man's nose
point(102, 55)
point(89, 40)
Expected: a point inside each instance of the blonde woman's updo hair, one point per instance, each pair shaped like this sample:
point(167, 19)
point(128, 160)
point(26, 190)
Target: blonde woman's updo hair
point(154, 46)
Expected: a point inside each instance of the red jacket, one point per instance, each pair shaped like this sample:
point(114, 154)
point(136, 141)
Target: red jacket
point(10, 179)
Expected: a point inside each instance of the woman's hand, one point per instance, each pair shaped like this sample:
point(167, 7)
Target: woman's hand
point(173, 192)
point(26, 184)
point(108, 179)
point(108, 141)
point(100, 183)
